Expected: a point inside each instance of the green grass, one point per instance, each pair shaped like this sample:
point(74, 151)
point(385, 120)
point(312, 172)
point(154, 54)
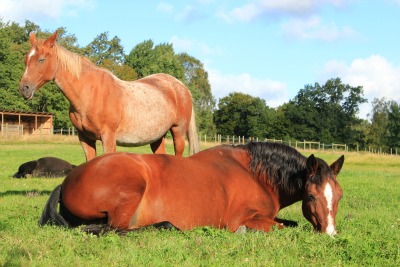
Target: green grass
point(368, 223)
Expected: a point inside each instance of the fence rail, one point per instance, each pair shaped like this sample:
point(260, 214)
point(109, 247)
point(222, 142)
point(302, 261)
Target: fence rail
point(306, 145)
point(15, 131)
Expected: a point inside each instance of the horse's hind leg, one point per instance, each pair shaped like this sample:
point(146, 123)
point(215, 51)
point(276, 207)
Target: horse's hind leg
point(158, 147)
point(179, 140)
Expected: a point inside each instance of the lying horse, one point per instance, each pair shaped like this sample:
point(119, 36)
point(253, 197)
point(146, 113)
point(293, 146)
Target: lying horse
point(223, 187)
point(44, 167)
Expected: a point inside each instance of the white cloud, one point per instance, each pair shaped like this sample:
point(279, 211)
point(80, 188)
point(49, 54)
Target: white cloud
point(19, 11)
point(190, 14)
point(273, 92)
point(193, 47)
point(313, 28)
point(379, 78)
point(165, 8)
point(271, 8)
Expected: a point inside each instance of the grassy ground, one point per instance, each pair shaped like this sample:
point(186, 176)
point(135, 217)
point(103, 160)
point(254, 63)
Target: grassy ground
point(368, 223)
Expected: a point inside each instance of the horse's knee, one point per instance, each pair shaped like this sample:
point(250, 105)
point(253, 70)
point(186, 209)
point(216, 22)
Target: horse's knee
point(263, 225)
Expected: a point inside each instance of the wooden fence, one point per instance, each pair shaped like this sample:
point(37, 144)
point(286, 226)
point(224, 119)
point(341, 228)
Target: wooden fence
point(304, 144)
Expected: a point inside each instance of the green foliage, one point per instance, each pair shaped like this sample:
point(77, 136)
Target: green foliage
point(123, 72)
point(102, 48)
point(367, 222)
point(12, 51)
point(196, 80)
point(384, 131)
point(147, 58)
point(394, 125)
point(243, 115)
point(326, 113)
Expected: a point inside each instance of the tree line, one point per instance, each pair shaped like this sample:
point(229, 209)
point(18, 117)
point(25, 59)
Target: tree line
point(324, 113)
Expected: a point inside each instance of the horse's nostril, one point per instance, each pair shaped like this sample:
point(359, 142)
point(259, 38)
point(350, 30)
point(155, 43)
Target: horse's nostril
point(26, 88)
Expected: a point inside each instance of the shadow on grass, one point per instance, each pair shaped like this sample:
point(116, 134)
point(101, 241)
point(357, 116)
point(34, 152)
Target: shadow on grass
point(29, 193)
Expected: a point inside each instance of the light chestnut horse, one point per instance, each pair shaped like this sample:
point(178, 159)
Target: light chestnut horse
point(103, 107)
point(222, 187)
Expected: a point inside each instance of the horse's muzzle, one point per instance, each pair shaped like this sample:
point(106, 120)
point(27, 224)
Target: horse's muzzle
point(26, 91)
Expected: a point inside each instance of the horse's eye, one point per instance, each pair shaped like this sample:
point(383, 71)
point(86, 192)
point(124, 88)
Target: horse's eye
point(311, 198)
point(41, 60)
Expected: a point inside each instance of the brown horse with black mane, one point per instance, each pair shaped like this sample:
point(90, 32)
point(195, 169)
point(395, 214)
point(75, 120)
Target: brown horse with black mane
point(223, 187)
point(106, 108)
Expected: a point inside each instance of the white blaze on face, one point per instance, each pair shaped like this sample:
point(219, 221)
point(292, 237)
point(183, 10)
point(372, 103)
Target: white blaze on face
point(33, 51)
point(330, 229)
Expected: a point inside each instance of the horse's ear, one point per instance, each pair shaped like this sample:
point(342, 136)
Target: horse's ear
point(32, 38)
point(337, 165)
point(312, 165)
point(51, 40)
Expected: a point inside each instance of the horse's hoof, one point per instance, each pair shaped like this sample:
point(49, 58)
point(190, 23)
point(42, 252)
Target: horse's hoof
point(241, 230)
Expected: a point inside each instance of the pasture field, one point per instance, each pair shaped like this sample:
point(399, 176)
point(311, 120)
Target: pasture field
point(368, 223)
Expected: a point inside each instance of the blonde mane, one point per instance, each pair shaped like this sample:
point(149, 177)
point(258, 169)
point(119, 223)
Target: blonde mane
point(69, 61)
point(73, 62)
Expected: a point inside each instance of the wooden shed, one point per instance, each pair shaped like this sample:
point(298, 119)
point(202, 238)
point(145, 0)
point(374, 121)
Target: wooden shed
point(26, 123)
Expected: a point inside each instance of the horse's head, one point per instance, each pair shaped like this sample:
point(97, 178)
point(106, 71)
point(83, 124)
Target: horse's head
point(322, 194)
point(39, 65)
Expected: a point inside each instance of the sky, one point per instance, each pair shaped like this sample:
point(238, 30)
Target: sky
point(265, 48)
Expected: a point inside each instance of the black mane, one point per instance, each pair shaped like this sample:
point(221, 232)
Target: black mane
point(278, 165)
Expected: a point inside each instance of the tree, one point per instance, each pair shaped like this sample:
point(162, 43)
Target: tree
point(102, 48)
point(326, 113)
point(146, 59)
point(124, 72)
point(196, 80)
point(13, 47)
point(378, 130)
point(393, 140)
point(243, 115)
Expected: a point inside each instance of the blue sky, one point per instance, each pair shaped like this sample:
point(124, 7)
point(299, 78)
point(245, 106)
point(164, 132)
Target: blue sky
point(265, 48)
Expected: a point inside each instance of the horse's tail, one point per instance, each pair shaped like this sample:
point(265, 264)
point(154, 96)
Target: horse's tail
point(193, 139)
point(50, 214)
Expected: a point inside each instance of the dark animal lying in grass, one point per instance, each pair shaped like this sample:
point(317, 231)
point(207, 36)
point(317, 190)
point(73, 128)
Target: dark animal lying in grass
point(44, 167)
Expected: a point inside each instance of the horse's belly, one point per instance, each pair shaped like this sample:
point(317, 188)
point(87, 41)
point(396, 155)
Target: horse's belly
point(183, 211)
point(141, 130)
point(132, 140)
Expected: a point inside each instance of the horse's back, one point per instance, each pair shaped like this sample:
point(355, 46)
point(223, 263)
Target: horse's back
point(152, 104)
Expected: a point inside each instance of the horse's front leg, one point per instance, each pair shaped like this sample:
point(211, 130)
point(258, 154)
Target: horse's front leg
point(158, 147)
point(88, 145)
point(261, 224)
point(109, 142)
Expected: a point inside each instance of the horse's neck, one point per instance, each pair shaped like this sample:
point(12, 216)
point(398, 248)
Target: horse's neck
point(286, 199)
point(287, 196)
point(73, 84)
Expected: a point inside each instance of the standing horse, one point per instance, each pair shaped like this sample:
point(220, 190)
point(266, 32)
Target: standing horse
point(223, 187)
point(106, 108)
